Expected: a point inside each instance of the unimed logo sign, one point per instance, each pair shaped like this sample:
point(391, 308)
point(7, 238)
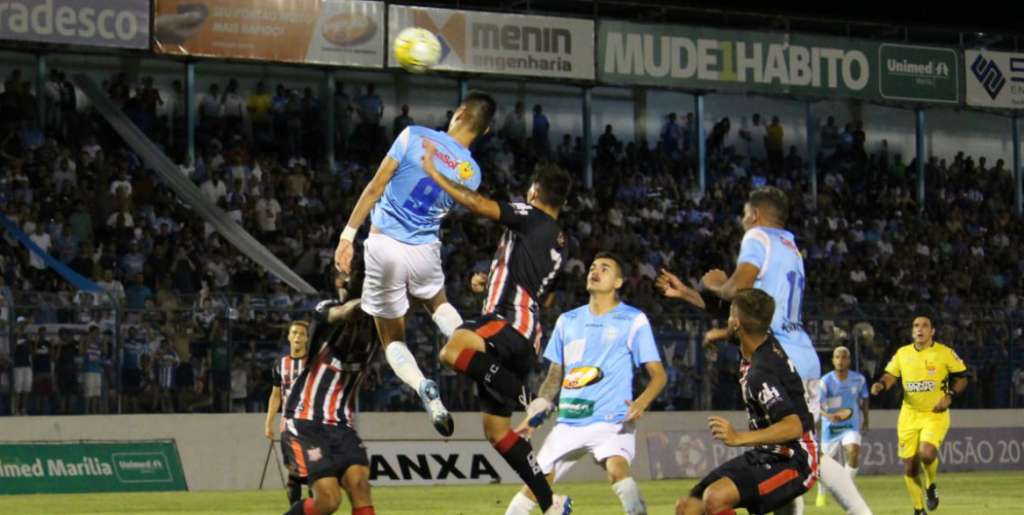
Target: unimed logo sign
point(141, 466)
point(108, 23)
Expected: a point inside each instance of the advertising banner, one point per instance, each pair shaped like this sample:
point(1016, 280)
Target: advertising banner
point(994, 79)
point(773, 62)
point(110, 23)
point(337, 32)
point(435, 462)
point(508, 44)
point(692, 454)
point(76, 467)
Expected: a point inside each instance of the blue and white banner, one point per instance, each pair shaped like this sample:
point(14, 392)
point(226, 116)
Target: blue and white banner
point(73, 277)
point(994, 79)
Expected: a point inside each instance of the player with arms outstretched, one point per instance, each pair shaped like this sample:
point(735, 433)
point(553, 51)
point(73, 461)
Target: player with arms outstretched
point(770, 261)
point(844, 414)
point(285, 373)
point(403, 250)
point(593, 350)
point(931, 374)
point(783, 464)
point(497, 349)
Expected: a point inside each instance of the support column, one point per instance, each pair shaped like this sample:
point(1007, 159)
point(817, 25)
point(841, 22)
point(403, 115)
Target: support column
point(639, 115)
point(41, 91)
point(812, 151)
point(919, 135)
point(588, 158)
point(190, 112)
point(1018, 174)
point(327, 102)
point(463, 89)
point(698, 114)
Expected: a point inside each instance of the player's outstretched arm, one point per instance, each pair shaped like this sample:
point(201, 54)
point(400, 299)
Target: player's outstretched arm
point(342, 312)
point(371, 194)
point(672, 287)
point(725, 287)
point(656, 371)
point(785, 430)
point(473, 201)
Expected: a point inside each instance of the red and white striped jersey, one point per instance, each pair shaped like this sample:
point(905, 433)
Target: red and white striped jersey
point(529, 257)
point(286, 372)
point(326, 390)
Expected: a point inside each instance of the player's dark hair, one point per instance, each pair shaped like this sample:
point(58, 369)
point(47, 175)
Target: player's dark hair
point(303, 323)
point(613, 258)
point(773, 199)
point(755, 309)
point(478, 110)
point(926, 317)
point(553, 184)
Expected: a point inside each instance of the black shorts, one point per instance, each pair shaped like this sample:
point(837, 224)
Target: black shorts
point(766, 481)
point(512, 350)
point(286, 455)
point(320, 450)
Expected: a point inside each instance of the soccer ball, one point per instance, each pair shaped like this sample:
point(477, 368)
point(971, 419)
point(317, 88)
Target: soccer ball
point(417, 50)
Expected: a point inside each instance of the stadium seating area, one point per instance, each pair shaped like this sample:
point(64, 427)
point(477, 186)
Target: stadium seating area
point(200, 324)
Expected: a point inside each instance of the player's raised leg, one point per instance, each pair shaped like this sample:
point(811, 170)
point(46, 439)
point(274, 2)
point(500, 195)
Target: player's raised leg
point(356, 483)
point(518, 453)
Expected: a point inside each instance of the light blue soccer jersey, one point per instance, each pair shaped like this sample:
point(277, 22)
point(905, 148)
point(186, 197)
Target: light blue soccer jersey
point(413, 204)
point(612, 344)
point(775, 254)
point(836, 394)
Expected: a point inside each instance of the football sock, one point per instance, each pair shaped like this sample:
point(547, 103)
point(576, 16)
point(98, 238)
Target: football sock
point(447, 319)
point(404, 364)
point(365, 510)
point(841, 486)
point(519, 455)
point(490, 373)
point(307, 507)
point(852, 471)
point(294, 491)
point(520, 505)
point(916, 491)
point(629, 495)
point(930, 471)
point(797, 506)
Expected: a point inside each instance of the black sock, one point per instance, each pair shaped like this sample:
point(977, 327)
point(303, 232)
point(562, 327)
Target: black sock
point(303, 507)
point(519, 455)
point(294, 491)
point(485, 369)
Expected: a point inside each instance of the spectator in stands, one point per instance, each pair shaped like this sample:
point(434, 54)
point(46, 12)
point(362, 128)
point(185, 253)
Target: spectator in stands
point(210, 112)
point(514, 128)
point(671, 138)
point(137, 293)
point(402, 121)
point(66, 359)
point(754, 146)
point(774, 143)
point(541, 130)
point(258, 107)
point(606, 144)
point(42, 374)
point(22, 365)
point(342, 117)
point(134, 348)
point(167, 360)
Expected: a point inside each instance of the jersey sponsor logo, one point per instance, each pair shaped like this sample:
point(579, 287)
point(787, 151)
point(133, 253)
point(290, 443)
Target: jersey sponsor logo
point(575, 408)
point(610, 334)
point(446, 159)
point(581, 377)
point(768, 395)
point(315, 454)
point(465, 171)
point(919, 386)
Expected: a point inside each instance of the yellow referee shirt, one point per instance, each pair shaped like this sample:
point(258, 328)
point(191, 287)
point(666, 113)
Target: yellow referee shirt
point(924, 374)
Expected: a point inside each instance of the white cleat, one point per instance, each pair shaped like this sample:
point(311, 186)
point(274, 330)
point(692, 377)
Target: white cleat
point(439, 415)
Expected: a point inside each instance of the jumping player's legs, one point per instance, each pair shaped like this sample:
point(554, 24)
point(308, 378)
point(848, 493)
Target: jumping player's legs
point(356, 483)
point(467, 353)
point(325, 501)
point(518, 453)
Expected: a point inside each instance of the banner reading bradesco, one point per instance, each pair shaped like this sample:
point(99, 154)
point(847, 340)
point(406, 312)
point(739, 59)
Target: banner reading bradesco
point(772, 62)
point(679, 454)
point(508, 44)
point(339, 32)
point(994, 79)
point(75, 467)
point(106, 23)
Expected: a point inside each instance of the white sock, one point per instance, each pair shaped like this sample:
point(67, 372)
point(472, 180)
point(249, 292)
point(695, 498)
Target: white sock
point(840, 485)
point(852, 471)
point(821, 488)
point(629, 494)
point(520, 505)
point(447, 319)
point(796, 507)
point(404, 364)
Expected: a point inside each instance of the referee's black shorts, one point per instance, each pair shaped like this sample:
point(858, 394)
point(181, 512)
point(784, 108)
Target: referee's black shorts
point(512, 350)
point(319, 450)
point(766, 481)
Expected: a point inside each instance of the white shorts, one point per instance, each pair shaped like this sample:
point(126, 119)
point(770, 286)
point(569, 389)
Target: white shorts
point(567, 444)
point(23, 380)
point(812, 394)
point(847, 438)
point(395, 270)
point(91, 384)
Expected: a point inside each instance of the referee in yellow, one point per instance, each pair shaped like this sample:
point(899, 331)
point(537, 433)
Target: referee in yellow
point(931, 374)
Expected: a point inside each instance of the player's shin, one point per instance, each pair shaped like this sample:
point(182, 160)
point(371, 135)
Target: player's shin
point(404, 364)
point(841, 486)
point(519, 455)
point(447, 319)
point(307, 507)
point(629, 494)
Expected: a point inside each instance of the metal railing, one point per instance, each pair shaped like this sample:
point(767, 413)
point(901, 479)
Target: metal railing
point(215, 353)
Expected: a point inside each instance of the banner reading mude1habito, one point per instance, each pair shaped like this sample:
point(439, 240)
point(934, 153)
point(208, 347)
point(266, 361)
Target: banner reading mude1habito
point(79, 467)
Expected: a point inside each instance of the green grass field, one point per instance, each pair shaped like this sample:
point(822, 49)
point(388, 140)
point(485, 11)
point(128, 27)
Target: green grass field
point(969, 493)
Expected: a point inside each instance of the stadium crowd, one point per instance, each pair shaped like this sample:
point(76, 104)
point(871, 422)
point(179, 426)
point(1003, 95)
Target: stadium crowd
point(200, 324)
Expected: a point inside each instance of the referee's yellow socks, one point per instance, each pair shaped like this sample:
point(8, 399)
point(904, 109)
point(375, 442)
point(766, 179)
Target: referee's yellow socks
point(916, 490)
point(930, 471)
